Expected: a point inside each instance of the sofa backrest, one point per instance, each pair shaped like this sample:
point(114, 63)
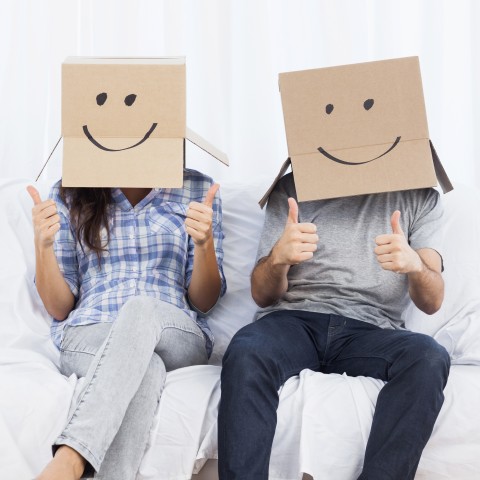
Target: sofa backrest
point(24, 322)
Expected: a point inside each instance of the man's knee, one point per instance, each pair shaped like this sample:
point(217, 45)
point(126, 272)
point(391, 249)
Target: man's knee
point(250, 356)
point(429, 356)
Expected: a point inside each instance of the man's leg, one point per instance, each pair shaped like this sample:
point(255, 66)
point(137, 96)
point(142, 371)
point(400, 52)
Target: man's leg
point(416, 369)
point(259, 359)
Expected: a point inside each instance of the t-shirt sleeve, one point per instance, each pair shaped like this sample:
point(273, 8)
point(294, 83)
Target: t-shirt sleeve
point(65, 245)
point(426, 229)
point(275, 216)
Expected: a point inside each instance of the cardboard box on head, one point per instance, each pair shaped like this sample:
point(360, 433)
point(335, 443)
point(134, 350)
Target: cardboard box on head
point(124, 122)
point(358, 129)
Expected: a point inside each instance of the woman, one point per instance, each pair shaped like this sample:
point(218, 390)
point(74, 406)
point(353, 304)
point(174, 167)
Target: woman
point(124, 273)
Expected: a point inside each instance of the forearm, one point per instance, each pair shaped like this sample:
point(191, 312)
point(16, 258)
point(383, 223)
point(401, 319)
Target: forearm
point(426, 289)
point(269, 281)
point(205, 284)
point(52, 288)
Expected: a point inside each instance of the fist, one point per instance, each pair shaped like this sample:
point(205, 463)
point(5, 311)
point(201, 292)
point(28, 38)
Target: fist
point(393, 251)
point(199, 218)
point(46, 221)
point(298, 241)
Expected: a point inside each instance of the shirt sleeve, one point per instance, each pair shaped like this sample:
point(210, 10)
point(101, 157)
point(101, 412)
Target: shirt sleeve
point(426, 229)
point(65, 245)
point(218, 237)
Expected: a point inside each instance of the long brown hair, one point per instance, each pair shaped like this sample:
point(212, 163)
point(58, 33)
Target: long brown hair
point(88, 214)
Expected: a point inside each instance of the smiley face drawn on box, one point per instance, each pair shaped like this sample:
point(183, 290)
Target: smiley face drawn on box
point(367, 105)
point(357, 129)
point(129, 100)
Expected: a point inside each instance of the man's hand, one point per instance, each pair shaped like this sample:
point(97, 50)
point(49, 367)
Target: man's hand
point(46, 221)
point(298, 241)
point(393, 251)
point(199, 218)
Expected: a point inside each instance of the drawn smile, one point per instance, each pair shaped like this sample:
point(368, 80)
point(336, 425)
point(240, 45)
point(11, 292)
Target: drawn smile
point(343, 162)
point(99, 145)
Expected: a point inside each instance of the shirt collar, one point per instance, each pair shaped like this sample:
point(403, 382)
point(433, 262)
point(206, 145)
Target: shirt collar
point(121, 200)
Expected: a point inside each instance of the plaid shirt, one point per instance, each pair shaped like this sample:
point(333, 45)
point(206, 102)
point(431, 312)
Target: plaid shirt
point(149, 253)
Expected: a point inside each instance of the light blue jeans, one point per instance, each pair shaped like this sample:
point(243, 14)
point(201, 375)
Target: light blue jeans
point(124, 365)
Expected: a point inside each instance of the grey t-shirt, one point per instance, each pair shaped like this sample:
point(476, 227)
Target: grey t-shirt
point(344, 276)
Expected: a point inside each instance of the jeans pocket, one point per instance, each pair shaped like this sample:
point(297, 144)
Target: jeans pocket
point(79, 345)
point(84, 338)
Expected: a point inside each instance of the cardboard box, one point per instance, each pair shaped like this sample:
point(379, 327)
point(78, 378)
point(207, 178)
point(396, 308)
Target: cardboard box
point(358, 129)
point(124, 122)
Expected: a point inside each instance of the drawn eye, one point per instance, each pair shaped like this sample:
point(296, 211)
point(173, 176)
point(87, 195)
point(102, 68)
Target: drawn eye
point(368, 104)
point(329, 109)
point(101, 98)
point(129, 99)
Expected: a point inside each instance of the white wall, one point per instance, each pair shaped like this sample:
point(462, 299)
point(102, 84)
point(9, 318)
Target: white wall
point(235, 50)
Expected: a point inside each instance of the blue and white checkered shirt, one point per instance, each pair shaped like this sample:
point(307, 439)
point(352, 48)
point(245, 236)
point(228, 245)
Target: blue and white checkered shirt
point(149, 253)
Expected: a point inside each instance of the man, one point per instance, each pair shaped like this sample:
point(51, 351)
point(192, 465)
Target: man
point(333, 278)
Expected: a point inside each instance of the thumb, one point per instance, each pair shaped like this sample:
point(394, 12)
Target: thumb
point(292, 211)
point(210, 196)
point(33, 192)
point(395, 221)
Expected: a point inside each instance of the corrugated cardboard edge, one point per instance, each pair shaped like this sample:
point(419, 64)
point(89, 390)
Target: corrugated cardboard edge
point(440, 172)
point(281, 173)
point(200, 142)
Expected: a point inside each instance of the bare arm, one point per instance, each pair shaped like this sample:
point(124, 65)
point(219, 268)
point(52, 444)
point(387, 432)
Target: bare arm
point(269, 281)
point(52, 288)
point(423, 267)
point(205, 284)
point(298, 242)
point(426, 286)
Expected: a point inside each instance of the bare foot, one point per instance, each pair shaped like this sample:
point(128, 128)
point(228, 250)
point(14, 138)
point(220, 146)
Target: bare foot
point(67, 464)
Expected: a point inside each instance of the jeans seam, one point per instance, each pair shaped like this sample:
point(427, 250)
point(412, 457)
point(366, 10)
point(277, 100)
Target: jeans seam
point(184, 330)
point(88, 387)
point(65, 350)
point(81, 444)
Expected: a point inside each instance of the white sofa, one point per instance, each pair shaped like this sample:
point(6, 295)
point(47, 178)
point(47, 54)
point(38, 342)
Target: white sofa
point(323, 420)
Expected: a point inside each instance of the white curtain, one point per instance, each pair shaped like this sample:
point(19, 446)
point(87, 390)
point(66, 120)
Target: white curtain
point(235, 50)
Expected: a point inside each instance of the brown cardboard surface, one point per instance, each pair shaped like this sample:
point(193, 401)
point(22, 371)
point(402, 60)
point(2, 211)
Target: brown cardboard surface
point(200, 142)
point(404, 169)
point(158, 166)
point(357, 129)
point(124, 122)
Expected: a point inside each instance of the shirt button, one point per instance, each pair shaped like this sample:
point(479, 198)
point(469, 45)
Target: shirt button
point(132, 237)
point(134, 269)
point(132, 283)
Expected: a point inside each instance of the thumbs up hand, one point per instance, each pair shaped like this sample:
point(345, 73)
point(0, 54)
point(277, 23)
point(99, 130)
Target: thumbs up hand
point(46, 221)
point(393, 251)
point(200, 216)
point(298, 241)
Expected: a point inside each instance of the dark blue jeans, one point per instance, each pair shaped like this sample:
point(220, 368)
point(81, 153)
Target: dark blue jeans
point(264, 354)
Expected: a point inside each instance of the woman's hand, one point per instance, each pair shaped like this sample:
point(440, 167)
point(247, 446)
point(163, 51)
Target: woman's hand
point(199, 218)
point(205, 283)
point(52, 288)
point(46, 221)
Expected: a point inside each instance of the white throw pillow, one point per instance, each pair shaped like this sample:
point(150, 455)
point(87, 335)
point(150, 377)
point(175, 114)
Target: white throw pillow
point(25, 323)
point(457, 324)
point(242, 225)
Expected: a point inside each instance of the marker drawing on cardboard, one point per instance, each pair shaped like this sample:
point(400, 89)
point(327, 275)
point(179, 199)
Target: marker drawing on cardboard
point(124, 122)
point(358, 129)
